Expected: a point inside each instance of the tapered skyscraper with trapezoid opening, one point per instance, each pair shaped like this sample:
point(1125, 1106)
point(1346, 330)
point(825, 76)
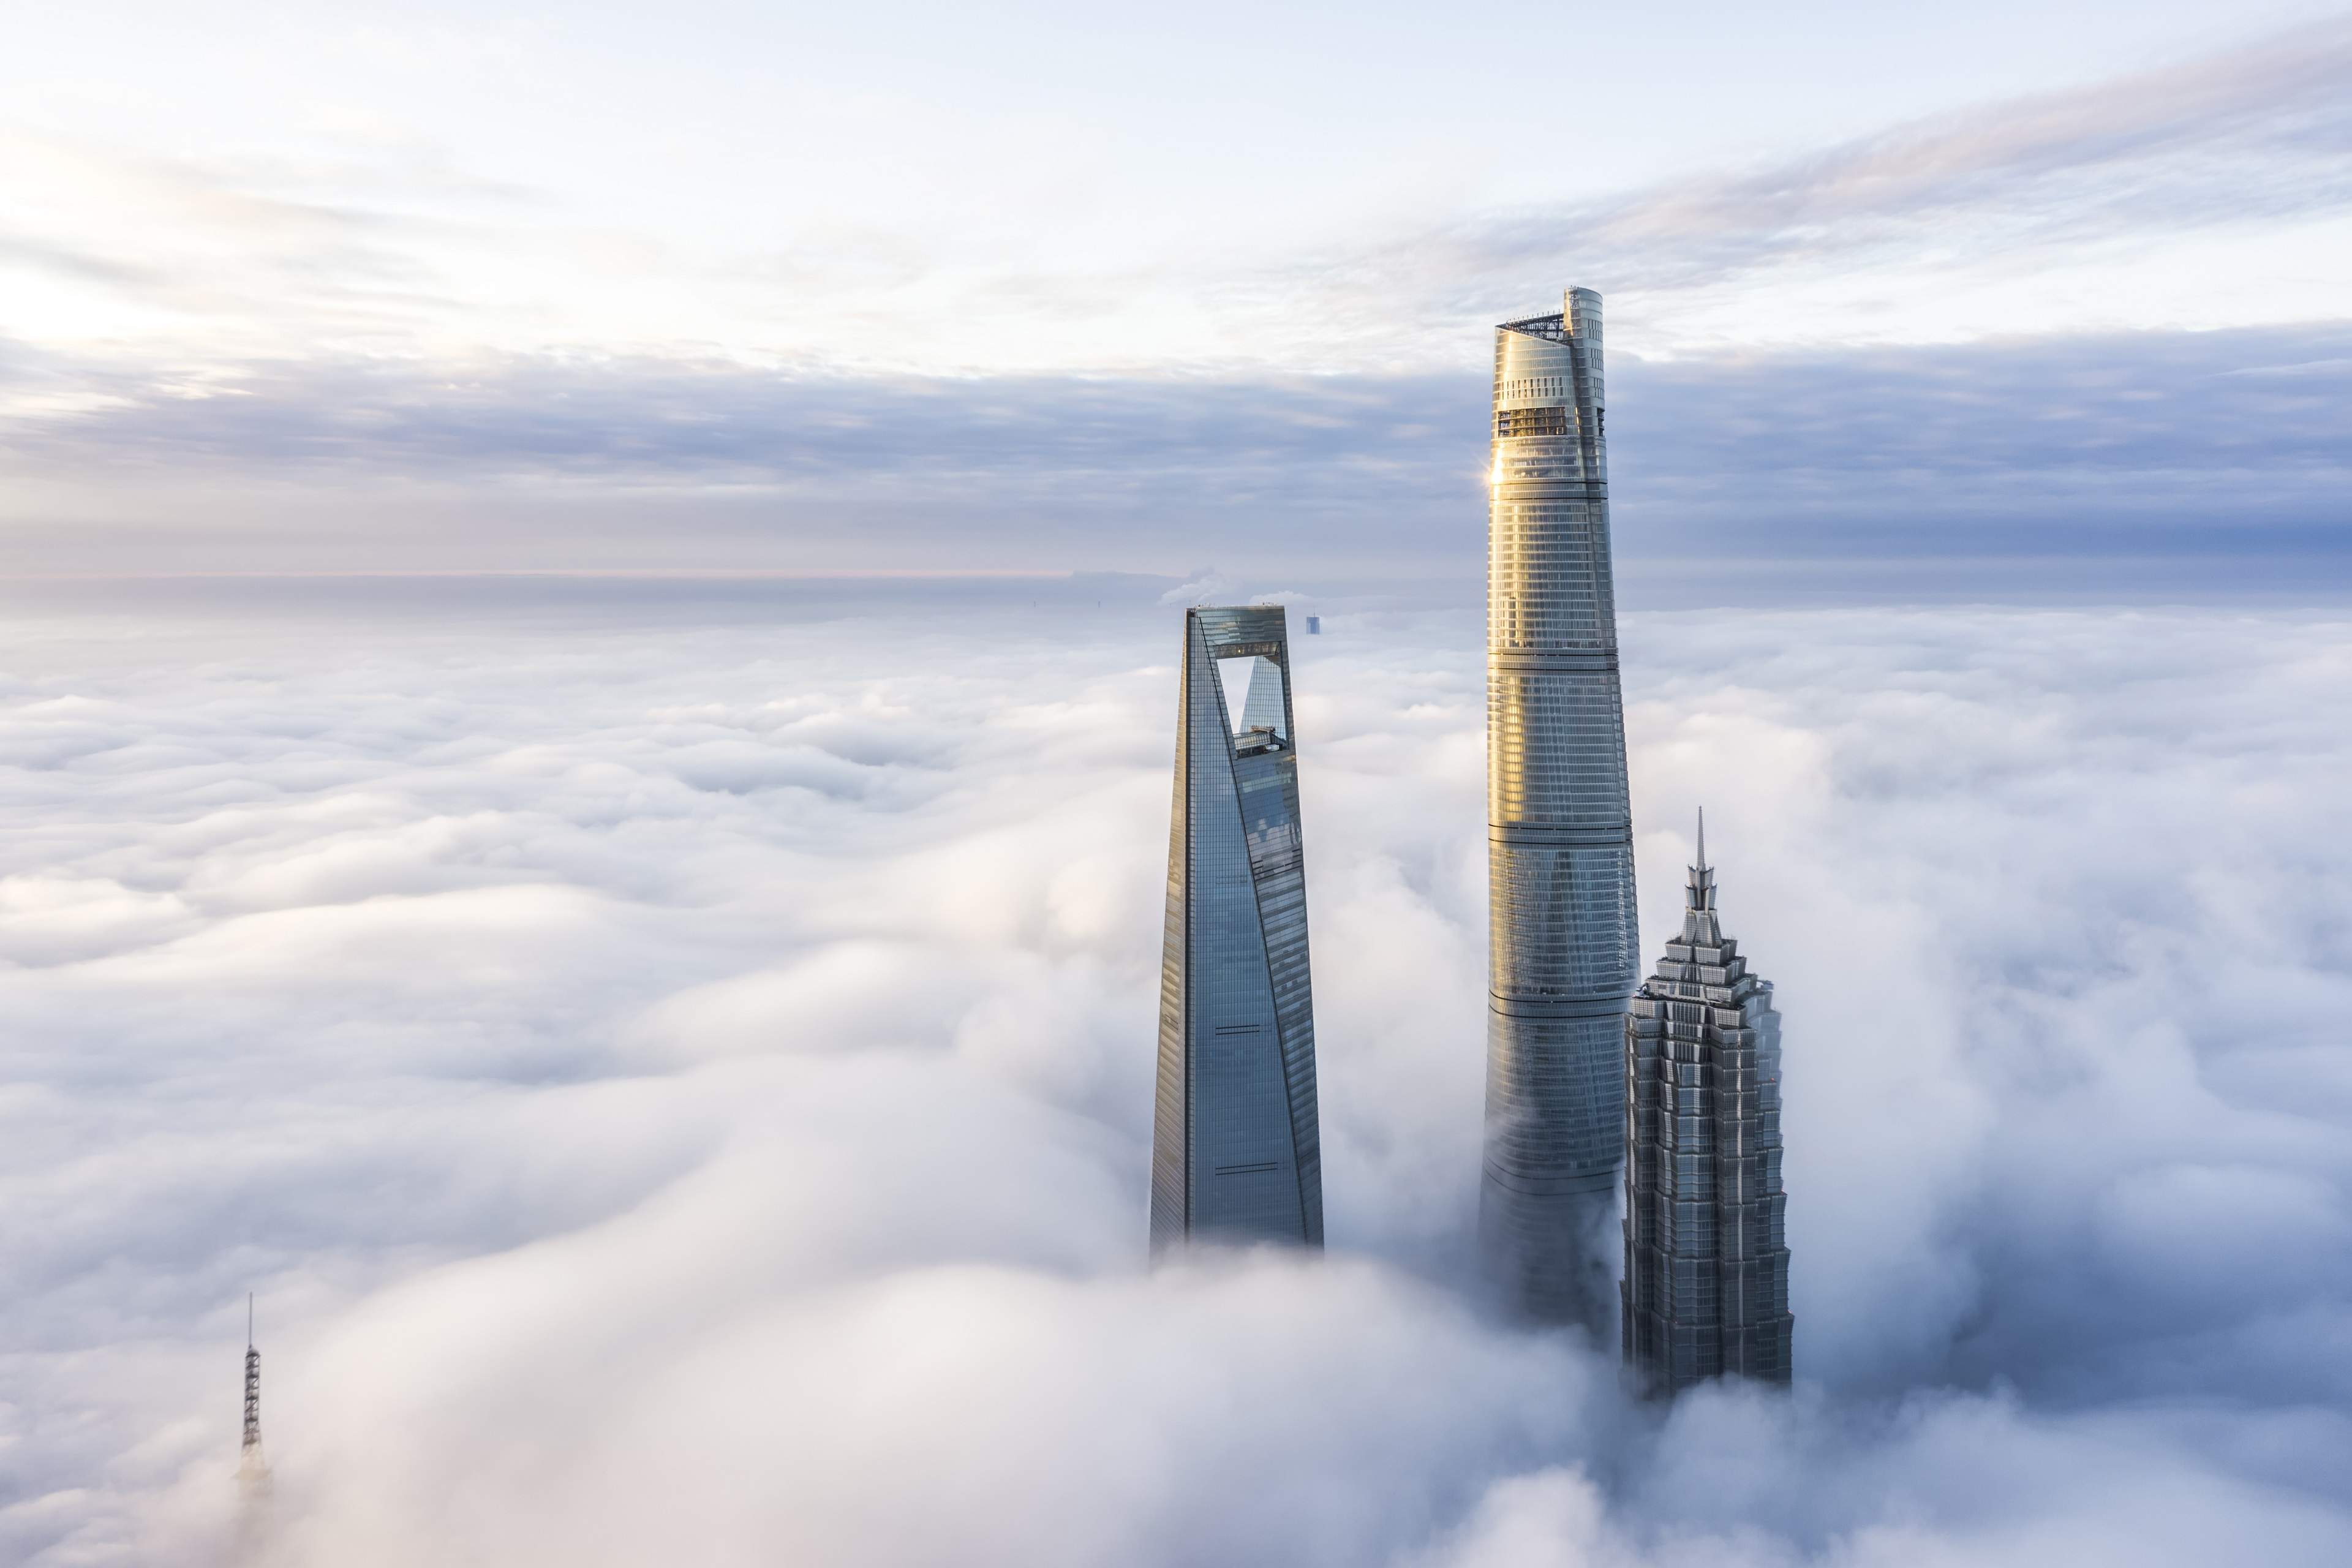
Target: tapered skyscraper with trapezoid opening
point(1564, 943)
point(1706, 1257)
point(1235, 1153)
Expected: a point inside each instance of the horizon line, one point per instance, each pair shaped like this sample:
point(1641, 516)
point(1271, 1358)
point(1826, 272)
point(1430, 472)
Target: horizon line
point(679, 573)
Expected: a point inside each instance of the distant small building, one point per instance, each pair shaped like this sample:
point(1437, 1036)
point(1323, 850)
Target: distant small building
point(1706, 1292)
point(1314, 625)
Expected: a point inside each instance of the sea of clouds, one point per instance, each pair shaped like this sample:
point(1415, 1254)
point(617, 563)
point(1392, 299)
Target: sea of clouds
point(678, 1078)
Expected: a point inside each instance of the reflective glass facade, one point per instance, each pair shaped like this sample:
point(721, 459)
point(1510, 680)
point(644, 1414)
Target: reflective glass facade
point(1235, 1152)
point(1706, 1292)
point(1564, 943)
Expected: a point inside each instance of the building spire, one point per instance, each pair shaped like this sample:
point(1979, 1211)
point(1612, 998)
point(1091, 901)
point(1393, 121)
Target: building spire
point(1698, 894)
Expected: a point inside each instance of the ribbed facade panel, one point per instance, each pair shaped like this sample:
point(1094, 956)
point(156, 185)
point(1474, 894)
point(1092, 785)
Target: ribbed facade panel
point(1557, 739)
point(1552, 1085)
point(1567, 916)
point(1563, 940)
point(1236, 1153)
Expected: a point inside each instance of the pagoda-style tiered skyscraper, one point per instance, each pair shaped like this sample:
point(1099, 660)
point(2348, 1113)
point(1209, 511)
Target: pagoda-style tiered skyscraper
point(1563, 945)
point(1235, 1152)
point(1706, 1260)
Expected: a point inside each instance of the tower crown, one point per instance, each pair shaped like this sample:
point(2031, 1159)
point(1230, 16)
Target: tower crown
point(1700, 926)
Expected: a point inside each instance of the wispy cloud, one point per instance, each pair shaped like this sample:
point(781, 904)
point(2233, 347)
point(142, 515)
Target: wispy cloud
point(2247, 135)
point(2245, 140)
point(2011, 214)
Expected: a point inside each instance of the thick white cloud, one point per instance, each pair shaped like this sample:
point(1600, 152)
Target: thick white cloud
point(679, 1083)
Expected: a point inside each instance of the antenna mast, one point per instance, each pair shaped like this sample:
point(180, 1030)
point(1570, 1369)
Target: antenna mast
point(250, 1458)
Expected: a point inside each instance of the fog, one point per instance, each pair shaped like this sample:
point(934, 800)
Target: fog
point(676, 1079)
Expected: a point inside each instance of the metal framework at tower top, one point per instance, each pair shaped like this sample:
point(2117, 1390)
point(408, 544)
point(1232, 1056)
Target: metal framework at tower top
point(1554, 328)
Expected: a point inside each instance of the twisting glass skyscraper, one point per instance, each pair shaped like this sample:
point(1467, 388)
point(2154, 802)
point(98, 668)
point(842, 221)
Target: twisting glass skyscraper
point(1235, 1153)
point(1563, 939)
point(1706, 1260)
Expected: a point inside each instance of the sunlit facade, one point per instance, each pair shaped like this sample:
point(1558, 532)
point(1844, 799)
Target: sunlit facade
point(1235, 1152)
point(1564, 943)
point(1705, 1292)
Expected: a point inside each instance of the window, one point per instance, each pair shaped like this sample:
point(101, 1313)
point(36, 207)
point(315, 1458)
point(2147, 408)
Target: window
point(1530, 421)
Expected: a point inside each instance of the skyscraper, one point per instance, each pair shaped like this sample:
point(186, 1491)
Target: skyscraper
point(1706, 1261)
point(1235, 1153)
point(1562, 935)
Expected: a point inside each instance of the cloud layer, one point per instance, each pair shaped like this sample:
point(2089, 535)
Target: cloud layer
point(2224, 447)
point(679, 1080)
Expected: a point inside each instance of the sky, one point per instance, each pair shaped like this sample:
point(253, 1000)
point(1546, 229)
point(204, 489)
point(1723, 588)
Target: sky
point(2038, 292)
point(588, 608)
